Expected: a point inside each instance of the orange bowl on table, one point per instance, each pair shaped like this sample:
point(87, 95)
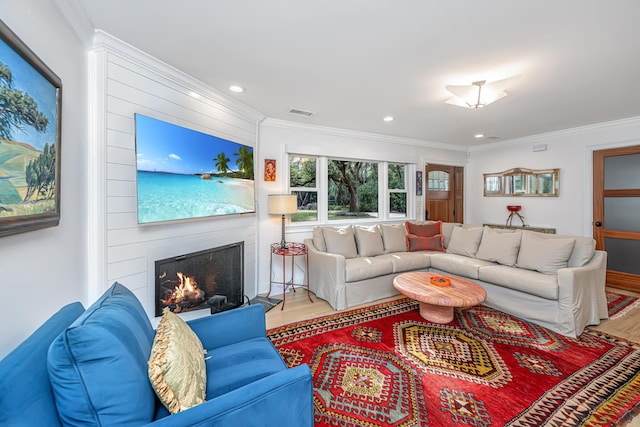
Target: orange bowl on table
point(440, 281)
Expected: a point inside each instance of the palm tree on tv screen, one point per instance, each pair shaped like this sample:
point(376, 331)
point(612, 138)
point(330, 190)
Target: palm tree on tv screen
point(244, 161)
point(222, 162)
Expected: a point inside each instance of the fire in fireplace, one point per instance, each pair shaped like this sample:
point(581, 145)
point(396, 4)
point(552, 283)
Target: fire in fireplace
point(213, 278)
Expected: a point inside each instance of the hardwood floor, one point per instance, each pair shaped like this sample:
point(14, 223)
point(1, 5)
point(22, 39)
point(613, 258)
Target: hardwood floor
point(298, 308)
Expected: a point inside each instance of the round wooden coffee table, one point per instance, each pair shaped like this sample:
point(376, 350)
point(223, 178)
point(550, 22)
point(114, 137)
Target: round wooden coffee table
point(437, 302)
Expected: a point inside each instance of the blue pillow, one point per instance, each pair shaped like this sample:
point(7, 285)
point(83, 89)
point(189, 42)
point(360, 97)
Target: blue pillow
point(98, 365)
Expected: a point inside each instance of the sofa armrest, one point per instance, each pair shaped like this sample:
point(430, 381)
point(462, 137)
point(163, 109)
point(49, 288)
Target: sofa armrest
point(283, 399)
point(230, 327)
point(327, 276)
point(582, 290)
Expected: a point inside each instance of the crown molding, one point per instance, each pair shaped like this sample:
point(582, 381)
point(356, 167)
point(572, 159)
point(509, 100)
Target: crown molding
point(75, 15)
point(354, 134)
point(103, 41)
point(542, 137)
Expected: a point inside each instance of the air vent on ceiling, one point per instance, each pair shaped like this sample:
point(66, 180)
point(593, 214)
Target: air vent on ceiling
point(302, 113)
point(492, 137)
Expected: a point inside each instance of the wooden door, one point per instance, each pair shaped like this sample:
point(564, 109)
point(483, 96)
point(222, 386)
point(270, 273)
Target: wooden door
point(616, 213)
point(444, 193)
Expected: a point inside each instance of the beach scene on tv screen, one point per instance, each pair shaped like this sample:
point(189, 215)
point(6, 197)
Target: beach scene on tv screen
point(183, 173)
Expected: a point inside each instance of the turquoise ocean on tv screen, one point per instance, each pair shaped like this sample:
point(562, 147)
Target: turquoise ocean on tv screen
point(167, 196)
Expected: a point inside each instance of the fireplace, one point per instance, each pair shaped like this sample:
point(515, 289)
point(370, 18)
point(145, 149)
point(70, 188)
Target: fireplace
point(213, 278)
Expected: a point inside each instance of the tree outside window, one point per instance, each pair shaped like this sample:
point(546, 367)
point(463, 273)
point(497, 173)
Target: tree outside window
point(397, 188)
point(303, 183)
point(352, 190)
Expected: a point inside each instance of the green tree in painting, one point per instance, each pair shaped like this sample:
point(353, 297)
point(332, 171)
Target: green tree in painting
point(222, 162)
point(40, 175)
point(17, 108)
point(244, 161)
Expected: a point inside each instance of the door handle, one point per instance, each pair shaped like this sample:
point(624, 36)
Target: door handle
point(598, 224)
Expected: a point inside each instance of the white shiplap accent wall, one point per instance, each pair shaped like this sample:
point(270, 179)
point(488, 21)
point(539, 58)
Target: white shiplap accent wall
point(125, 81)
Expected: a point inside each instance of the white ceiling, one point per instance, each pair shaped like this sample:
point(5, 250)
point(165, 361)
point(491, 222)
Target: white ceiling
point(352, 62)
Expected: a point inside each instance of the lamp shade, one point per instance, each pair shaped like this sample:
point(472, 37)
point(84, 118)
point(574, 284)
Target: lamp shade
point(283, 204)
point(479, 93)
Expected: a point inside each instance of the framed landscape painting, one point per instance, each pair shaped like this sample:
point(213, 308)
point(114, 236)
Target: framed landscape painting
point(30, 95)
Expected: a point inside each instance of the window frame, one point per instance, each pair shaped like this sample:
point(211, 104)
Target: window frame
point(384, 192)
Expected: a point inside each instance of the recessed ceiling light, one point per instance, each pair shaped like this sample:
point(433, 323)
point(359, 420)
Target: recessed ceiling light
point(388, 119)
point(236, 88)
point(479, 135)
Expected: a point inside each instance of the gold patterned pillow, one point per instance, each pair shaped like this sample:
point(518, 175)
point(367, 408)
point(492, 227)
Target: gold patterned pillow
point(176, 367)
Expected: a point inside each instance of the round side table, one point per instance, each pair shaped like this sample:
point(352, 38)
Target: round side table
point(292, 250)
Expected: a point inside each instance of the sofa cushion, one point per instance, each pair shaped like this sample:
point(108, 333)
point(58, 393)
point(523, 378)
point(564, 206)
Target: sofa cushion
point(417, 243)
point(98, 365)
point(544, 255)
point(393, 237)
point(447, 229)
point(407, 261)
point(369, 240)
point(425, 229)
point(499, 247)
point(26, 398)
point(318, 239)
point(176, 366)
point(340, 241)
point(367, 267)
point(531, 282)
point(583, 250)
point(458, 264)
point(465, 241)
point(237, 365)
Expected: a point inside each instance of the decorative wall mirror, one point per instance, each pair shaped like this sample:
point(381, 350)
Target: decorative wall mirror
point(522, 182)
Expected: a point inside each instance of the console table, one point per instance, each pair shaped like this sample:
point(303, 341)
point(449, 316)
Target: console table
point(525, 227)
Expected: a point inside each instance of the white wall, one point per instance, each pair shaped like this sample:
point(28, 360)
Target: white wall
point(126, 81)
point(279, 138)
point(45, 269)
point(570, 150)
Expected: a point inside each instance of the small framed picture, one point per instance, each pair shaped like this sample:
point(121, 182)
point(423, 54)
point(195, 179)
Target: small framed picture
point(418, 183)
point(269, 170)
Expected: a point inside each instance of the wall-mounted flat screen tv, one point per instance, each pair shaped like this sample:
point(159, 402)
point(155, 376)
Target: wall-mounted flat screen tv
point(183, 173)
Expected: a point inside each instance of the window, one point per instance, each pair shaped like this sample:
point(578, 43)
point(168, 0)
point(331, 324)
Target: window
point(438, 181)
point(303, 183)
point(397, 188)
point(331, 189)
point(352, 189)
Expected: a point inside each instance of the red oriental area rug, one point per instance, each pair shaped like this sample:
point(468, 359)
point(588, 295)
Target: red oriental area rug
point(385, 365)
point(619, 304)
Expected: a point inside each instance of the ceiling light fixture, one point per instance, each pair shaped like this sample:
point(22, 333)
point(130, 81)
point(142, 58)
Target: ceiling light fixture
point(478, 94)
point(388, 119)
point(236, 88)
point(479, 135)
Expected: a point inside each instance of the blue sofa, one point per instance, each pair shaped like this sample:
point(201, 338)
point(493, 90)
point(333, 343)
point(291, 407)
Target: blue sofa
point(84, 368)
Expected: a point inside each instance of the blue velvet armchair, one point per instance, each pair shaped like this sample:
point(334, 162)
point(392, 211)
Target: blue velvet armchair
point(90, 368)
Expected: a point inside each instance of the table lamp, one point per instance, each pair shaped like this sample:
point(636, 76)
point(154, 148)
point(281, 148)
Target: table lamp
point(283, 204)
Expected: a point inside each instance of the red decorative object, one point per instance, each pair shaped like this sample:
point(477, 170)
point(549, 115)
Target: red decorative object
point(440, 281)
point(514, 209)
point(407, 371)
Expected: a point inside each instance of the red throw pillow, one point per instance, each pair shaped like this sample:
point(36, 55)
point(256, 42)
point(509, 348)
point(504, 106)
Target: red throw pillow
point(428, 229)
point(433, 243)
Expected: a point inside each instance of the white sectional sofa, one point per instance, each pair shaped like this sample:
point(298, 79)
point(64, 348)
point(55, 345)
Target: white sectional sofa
point(552, 280)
